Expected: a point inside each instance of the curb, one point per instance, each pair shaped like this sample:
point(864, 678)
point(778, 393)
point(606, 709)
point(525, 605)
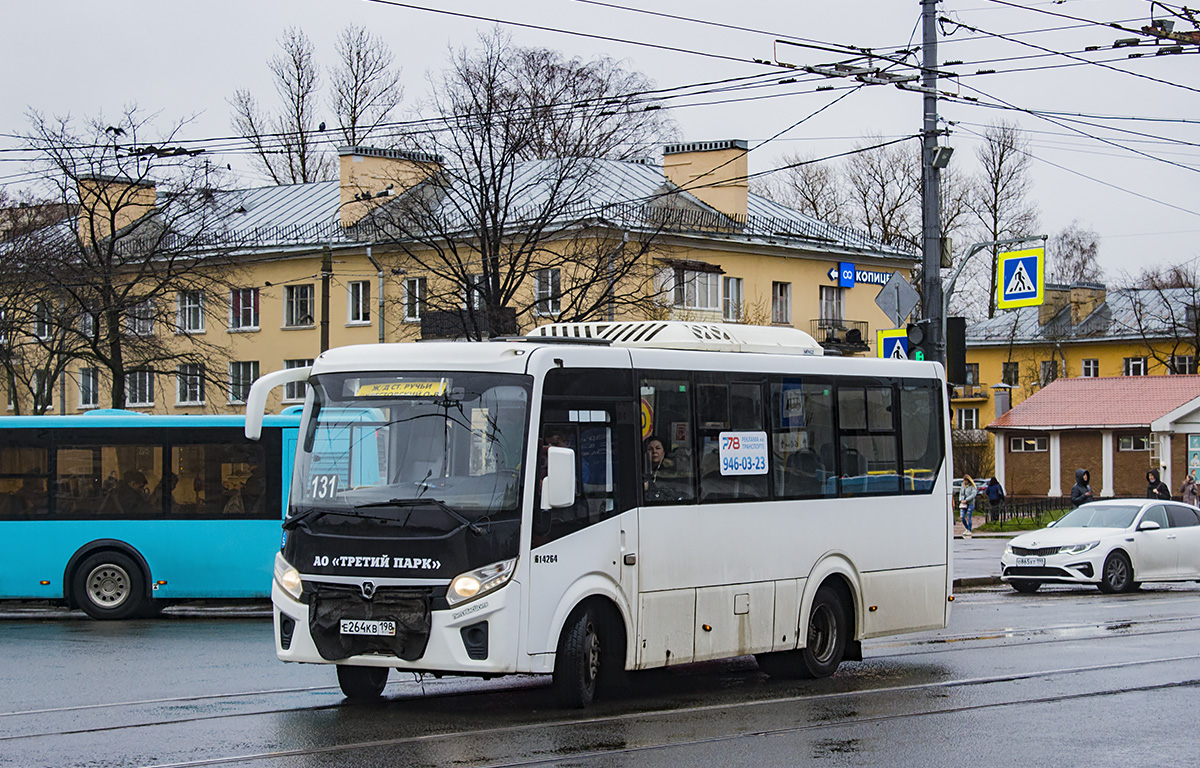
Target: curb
point(977, 581)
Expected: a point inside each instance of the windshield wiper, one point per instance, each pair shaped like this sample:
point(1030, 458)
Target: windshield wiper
point(308, 514)
point(436, 503)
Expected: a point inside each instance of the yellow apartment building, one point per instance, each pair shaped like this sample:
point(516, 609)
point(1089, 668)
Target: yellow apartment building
point(316, 268)
point(1082, 330)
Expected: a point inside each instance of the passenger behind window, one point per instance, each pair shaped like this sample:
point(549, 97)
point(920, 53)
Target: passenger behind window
point(806, 474)
point(666, 477)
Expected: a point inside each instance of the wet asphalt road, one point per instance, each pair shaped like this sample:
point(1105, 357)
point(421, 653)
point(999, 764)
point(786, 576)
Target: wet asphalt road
point(1064, 677)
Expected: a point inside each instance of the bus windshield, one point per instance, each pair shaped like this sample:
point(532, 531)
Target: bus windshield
point(429, 453)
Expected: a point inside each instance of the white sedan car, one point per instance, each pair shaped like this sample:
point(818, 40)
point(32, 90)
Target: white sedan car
point(1115, 544)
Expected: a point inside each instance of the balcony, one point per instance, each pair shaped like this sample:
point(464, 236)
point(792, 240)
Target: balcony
point(844, 336)
point(969, 392)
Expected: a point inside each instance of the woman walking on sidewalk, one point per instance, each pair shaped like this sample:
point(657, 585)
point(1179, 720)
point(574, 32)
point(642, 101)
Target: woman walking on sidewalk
point(966, 502)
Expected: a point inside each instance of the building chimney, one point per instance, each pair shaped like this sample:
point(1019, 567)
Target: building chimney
point(714, 171)
point(1085, 298)
point(109, 204)
point(1057, 297)
point(1002, 398)
point(370, 177)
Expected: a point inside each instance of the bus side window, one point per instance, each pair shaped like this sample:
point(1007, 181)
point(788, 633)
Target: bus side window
point(867, 456)
point(921, 436)
point(803, 442)
point(668, 475)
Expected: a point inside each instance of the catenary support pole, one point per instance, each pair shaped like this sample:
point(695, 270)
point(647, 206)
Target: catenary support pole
point(931, 208)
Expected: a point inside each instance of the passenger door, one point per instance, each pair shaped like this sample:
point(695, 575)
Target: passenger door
point(1156, 551)
point(1185, 524)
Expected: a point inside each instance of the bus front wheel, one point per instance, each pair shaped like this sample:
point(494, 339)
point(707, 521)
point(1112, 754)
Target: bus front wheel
point(362, 683)
point(577, 663)
point(109, 585)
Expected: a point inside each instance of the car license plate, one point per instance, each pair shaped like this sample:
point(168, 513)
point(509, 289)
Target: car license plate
point(1036, 562)
point(361, 627)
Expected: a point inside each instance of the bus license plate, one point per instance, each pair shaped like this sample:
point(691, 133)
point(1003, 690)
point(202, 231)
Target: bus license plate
point(1034, 562)
point(361, 627)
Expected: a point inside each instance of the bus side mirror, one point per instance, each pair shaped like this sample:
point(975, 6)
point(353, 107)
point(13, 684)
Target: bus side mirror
point(256, 401)
point(558, 486)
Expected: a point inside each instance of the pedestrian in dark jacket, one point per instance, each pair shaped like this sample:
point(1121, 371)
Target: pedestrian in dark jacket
point(1190, 492)
point(995, 494)
point(1156, 488)
point(1081, 492)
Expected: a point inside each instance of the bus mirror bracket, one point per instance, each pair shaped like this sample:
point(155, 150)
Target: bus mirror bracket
point(256, 401)
point(558, 486)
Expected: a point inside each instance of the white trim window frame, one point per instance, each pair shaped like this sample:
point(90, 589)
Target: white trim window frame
point(414, 299)
point(42, 321)
point(242, 374)
point(968, 418)
point(1133, 443)
point(43, 388)
point(1134, 366)
point(189, 312)
point(243, 309)
point(293, 391)
point(358, 302)
point(89, 388)
point(733, 308)
point(1183, 365)
point(831, 306)
point(139, 388)
point(781, 303)
point(189, 384)
point(140, 320)
point(299, 308)
point(1028, 444)
point(695, 289)
point(547, 292)
point(1089, 368)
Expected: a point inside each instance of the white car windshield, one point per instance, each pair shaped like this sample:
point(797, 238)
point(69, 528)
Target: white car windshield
point(1100, 516)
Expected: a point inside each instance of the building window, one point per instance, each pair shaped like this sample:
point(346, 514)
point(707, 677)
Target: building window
point(732, 306)
point(141, 319)
point(414, 298)
point(1134, 366)
point(1133, 443)
point(473, 292)
point(694, 289)
point(243, 309)
point(241, 375)
point(781, 303)
point(190, 312)
point(293, 391)
point(1011, 373)
point(1090, 368)
point(968, 418)
point(41, 320)
point(1028, 444)
point(43, 392)
point(832, 307)
point(1049, 371)
point(89, 387)
point(298, 306)
point(547, 291)
point(972, 376)
point(359, 302)
point(1183, 364)
point(139, 388)
point(87, 324)
point(189, 384)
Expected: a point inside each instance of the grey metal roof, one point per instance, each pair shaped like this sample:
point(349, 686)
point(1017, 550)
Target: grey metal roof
point(1124, 314)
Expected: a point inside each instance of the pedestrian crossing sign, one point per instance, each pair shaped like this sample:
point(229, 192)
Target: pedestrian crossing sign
point(892, 344)
point(1021, 278)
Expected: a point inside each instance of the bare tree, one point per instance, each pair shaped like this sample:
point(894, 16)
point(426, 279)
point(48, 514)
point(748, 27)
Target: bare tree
point(144, 247)
point(364, 88)
point(503, 223)
point(287, 142)
point(1165, 304)
point(1073, 255)
point(1001, 201)
point(815, 188)
point(886, 192)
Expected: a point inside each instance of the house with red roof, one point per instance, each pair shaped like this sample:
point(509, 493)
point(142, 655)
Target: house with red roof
point(1116, 427)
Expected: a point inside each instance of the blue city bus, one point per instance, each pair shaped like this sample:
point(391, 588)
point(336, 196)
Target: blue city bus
point(121, 513)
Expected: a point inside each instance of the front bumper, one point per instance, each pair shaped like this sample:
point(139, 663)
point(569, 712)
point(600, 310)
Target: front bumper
point(1083, 568)
point(450, 649)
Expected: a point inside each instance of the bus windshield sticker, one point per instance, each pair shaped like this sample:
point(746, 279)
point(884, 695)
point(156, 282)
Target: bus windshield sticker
point(743, 453)
point(322, 487)
point(403, 389)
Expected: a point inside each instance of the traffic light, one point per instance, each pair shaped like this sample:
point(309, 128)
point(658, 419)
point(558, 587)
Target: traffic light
point(919, 340)
point(956, 350)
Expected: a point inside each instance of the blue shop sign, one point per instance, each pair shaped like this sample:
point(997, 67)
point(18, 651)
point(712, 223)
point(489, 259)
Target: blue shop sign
point(846, 275)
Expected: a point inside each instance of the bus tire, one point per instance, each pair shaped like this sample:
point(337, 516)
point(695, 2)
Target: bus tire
point(109, 586)
point(361, 683)
point(577, 664)
point(827, 633)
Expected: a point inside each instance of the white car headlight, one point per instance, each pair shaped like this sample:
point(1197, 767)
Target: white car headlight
point(287, 577)
point(1076, 549)
point(476, 583)
point(1008, 549)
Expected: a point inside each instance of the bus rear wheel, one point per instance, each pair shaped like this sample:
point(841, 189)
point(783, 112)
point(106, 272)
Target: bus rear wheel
point(828, 631)
point(109, 586)
point(362, 683)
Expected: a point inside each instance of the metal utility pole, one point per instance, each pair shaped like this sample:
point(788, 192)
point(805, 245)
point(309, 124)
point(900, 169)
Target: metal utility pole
point(326, 274)
point(931, 202)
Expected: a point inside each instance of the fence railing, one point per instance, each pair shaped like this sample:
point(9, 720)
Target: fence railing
point(1013, 509)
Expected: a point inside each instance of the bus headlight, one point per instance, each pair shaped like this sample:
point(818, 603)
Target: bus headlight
point(472, 584)
point(287, 577)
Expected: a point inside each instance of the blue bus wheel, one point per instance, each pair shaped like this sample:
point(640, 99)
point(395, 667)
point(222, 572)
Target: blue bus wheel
point(109, 585)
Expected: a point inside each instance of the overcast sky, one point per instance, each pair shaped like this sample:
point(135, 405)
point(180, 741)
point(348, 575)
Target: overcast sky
point(85, 58)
